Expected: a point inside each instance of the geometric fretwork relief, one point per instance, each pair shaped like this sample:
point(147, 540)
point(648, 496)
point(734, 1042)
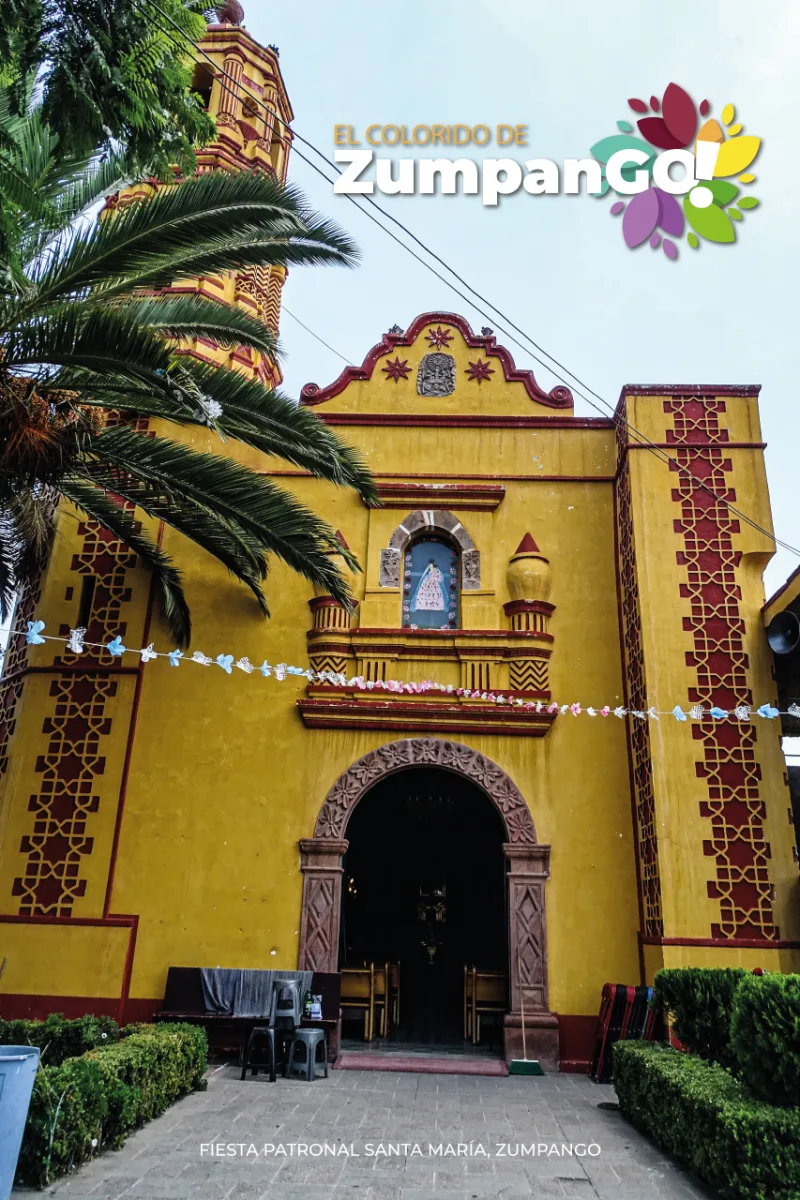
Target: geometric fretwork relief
point(106, 558)
point(636, 698)
point(69, 768)
point(728, 764)
point(320, 900)
point(530, 926)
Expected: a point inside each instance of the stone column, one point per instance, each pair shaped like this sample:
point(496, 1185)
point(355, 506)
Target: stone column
point(321, 864)
point(529, 869)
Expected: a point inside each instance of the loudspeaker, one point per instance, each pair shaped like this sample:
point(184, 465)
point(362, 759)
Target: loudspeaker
point(783, 633)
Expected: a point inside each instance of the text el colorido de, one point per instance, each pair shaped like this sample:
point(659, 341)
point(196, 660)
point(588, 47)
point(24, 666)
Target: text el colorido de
point(365, 171)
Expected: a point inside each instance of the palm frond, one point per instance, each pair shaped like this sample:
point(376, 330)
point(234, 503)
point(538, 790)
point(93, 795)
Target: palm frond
point(215, 222)
point(226, 541)
point(100, 507)
point(195, 316)
point(103, 340)
point(279, 522)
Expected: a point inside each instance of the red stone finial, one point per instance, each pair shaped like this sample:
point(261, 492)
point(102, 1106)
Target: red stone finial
point(527, 546)
point(230, 13)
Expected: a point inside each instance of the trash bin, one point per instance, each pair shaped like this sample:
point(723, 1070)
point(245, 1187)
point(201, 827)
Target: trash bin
point(18, 1066)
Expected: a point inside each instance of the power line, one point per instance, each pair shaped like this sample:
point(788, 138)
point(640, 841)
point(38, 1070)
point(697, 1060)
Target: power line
point(238, 90)
point(316, 335)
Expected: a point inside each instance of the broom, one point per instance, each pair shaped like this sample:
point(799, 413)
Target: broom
point(524, 1065)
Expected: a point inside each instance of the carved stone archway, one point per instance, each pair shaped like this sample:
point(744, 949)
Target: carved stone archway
point(434, 520)
point(528, 869)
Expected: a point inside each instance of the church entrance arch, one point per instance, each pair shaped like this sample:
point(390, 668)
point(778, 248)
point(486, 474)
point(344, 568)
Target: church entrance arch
point(527, 869)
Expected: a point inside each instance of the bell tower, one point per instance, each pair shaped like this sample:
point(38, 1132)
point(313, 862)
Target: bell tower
point(241, 86)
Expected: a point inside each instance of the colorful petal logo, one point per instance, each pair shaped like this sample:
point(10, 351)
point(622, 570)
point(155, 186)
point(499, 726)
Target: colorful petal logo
point(710, 210)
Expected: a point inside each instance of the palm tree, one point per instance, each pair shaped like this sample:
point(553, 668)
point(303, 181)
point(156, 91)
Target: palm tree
point(87, 342)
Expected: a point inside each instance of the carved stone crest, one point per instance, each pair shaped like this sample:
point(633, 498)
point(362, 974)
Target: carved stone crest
point(471, 570)
point(390, 568)
point(436, 375)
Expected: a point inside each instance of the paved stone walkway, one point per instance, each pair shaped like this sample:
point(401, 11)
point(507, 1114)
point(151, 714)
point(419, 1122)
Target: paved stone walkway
point(369, 1111)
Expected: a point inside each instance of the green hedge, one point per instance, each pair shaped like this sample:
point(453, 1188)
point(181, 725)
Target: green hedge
point(59, 1039)
point(705, 1118)
point(700, 1001)
point(765, 1034)
point(91, 1103)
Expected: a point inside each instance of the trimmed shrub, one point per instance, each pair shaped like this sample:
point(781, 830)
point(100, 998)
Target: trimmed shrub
point(59, 1039)
point(92, 1103)
point(705, 1118)
point(700, 1000)
point(765, 1033)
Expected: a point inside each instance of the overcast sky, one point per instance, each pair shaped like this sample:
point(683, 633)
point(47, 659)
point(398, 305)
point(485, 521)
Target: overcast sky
point(556, 264)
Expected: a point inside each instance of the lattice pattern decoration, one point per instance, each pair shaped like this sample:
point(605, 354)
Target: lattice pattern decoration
point(636, 698)
point(728, 764)
point(69, 768)
point(57, 842)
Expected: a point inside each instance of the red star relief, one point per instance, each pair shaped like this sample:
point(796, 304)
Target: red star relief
point(397, 369)
point(478, 371)
point(439, 337)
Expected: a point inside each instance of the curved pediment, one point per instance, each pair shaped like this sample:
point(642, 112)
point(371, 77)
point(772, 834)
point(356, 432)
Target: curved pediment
point(438, 369)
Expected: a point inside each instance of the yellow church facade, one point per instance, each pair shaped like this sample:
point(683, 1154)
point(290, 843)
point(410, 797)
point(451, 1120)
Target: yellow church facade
point(529, 563)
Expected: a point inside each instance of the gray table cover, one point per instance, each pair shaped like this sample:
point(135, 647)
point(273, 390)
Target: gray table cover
point(232, 992)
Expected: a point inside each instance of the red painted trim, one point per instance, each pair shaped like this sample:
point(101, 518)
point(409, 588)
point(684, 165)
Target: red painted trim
point(423, 717)
point(102, 672)
point(628, 747)
point(127, 970)
point(537, 606)
point(19, 1006)
point(59, 1003)
point(118, 921)
point(123, 787)
point(557, 397)
point(468, 497)
point(722, 943)
point(576, 1038)
point(451, 421)
point(505, 478)
point(696, 446)
point(710, 390)
point(419, 634)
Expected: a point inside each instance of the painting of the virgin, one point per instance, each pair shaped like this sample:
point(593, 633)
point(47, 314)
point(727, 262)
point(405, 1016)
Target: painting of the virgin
point(429, 595)
point(430, 585)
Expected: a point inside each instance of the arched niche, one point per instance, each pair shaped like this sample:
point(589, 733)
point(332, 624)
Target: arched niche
point(431, 521)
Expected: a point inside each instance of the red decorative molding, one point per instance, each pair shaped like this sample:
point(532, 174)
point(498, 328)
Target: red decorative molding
point(341, 710)
point(453, 421)
point(723, 943)
point(558, 397)
point(728, 764)
point(451, 496)
point(702, 390)
point(636, 698)
point(19, 1004)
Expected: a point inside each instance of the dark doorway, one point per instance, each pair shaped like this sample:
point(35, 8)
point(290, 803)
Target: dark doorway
point(424, 885)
